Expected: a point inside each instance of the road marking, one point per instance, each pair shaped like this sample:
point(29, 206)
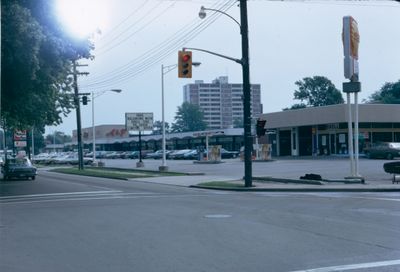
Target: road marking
point(352, 266)
point(94, 197)
point(218, 216)
point(58, 194)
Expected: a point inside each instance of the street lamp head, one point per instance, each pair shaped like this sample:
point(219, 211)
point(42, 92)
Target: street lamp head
point(202, 12)
point(196, 64)
point(116, 90)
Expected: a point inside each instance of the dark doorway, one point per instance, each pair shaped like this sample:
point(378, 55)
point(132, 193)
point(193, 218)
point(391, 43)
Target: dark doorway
point(305, 141)
point(285, 143)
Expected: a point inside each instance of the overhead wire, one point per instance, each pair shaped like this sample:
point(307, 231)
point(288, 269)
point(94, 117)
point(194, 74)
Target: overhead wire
point(112, 31)
point(116, 41)
point(161, 51)
point(176, 36)
point(147, 63)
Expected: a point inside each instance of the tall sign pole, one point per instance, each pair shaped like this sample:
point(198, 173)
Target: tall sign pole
point(351, 40)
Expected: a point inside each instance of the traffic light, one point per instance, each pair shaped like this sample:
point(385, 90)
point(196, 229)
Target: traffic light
point(260, 128)
point(185, 64)
point(84, 100)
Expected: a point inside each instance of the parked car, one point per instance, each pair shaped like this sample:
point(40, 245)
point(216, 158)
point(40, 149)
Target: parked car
point(226, 154)
point(18, 168)
point(178, 154)
point(157, 155)
point(385, 150)
point(191, 155)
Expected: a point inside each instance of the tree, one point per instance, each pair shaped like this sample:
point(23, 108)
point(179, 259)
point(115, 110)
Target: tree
point(189, 117)
point(388, 94)
point(238, 122)
point(36, 64)
point(315, 92)
point(157, 127)
point(58, 137)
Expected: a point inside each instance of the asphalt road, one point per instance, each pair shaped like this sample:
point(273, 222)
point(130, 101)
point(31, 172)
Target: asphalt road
point(72, 223)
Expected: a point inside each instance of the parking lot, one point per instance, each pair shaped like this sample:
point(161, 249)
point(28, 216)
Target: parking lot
point(328, 168)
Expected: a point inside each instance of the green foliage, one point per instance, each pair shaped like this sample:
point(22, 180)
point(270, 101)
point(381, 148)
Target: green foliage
point(58, 137)
point(388, 94)
point(36, 64)
point(315, 92)
point(189, 117)
point(238, 122)
point(157, 127)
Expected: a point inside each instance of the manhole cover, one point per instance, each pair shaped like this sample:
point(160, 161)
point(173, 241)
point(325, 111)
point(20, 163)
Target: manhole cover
point(217, 216)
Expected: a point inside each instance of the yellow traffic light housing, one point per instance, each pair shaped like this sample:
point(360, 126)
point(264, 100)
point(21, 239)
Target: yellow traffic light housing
point(185, 64)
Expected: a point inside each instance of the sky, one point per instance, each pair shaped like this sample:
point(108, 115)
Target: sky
point(288, 40)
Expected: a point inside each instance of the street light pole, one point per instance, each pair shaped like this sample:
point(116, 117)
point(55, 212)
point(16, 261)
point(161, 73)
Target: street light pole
point(164, 166)
point(248, 138)
point(164, 71)
point(93, 134)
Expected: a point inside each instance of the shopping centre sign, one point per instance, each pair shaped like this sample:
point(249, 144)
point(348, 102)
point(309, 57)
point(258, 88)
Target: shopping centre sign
point(139, 121)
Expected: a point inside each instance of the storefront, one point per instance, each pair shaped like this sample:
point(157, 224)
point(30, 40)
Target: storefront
point(324, 130)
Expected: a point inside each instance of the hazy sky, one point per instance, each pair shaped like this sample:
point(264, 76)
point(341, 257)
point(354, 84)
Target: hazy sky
point(289, 40)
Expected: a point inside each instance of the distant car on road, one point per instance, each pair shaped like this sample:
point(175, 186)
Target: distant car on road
point(385, 150)
point(18, 168)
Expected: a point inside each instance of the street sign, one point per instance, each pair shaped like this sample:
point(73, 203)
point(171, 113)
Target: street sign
point(20, 135)
point(139, 121)
point(20, 143)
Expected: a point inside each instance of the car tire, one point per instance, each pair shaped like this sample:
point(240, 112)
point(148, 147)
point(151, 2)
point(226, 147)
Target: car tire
point(33, 178)
point(389, 156)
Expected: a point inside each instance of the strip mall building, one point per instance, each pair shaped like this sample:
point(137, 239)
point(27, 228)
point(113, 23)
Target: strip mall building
point(324, 130)
point(302, 132)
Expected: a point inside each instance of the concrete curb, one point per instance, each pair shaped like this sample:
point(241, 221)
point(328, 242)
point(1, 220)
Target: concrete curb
point(319, 189)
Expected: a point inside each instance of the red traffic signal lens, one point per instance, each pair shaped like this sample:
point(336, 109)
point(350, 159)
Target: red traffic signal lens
point(186, 58)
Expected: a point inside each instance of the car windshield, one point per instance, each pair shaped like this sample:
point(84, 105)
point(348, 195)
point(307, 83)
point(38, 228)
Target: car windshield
point(394, 145)
point(19, 162)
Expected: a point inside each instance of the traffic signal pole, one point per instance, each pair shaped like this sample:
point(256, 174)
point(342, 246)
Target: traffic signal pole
point(244, 61)
point(248, 139)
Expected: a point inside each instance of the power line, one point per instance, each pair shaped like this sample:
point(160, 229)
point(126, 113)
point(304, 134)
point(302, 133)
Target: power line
point(114, 29)
point(161, 51)
point(112, 46)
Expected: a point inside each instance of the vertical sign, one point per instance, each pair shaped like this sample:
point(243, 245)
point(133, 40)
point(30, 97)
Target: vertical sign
point(351, 40)
point(20, 138)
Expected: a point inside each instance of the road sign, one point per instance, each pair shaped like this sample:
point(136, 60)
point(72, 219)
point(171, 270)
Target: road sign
point(139, 121)
point(20, 143)
point(20, 135)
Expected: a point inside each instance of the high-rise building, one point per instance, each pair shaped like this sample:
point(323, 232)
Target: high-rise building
point(221, 101)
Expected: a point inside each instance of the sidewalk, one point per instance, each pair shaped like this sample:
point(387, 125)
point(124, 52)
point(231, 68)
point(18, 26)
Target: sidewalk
point(288, 173)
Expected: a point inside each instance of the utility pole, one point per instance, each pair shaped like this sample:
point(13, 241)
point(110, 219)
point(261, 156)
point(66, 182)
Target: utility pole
point(248, 139)
point(78, 115)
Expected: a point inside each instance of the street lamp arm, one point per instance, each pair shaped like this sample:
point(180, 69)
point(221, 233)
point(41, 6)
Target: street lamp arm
point(168, 68)
point(203, 9)
point(215, 54)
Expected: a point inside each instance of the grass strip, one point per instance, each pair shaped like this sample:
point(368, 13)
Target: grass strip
point(105, 173)
point(221, 184)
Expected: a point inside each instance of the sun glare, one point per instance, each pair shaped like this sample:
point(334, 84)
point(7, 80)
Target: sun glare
point(82, 17)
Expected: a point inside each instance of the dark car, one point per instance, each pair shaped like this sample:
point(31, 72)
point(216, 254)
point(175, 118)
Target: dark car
point(383, 150)
point(392, 168)
point(18, 168)
point(226, 154)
